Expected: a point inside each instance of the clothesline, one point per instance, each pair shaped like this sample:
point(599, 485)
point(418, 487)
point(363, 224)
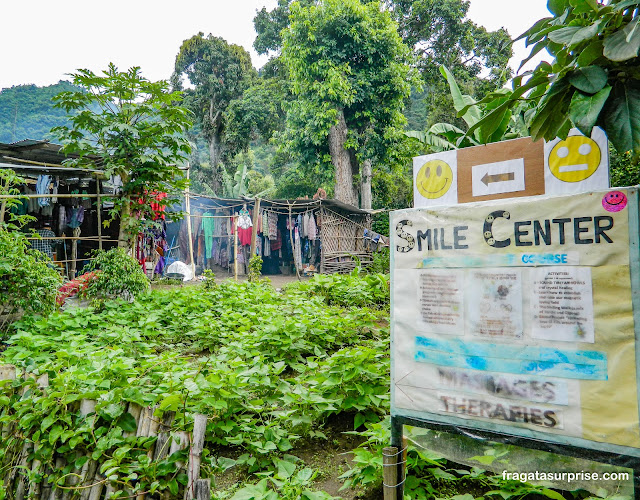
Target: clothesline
point(235, 216)
point(290, 204)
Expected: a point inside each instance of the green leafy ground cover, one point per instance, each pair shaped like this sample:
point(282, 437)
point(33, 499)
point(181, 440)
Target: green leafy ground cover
point(279, 375)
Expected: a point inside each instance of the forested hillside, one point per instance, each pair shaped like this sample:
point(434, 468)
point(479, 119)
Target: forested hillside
point(27, 112)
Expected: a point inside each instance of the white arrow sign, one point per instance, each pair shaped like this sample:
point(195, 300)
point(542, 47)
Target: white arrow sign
point(499, 177)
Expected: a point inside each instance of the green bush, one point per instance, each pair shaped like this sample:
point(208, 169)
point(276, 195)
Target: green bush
point(255, 268)
point(353, 289)
point(120, 275)
point(27, 282)
point(381, 262)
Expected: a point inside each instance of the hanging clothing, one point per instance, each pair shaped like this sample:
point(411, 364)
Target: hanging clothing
point(75, 216)
point(299, 224)
point(277, 243)
point(297, 249)
point(312, 229)
point(266, 249)
point(208, 227)
point(42, 187)
point(56, 184)
point(273, 225)
point(62, 219)
point(33, 202)
point(245, 226)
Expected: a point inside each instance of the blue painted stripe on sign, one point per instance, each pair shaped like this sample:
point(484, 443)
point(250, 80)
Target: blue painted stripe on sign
point(583, 365)
point(458, 346)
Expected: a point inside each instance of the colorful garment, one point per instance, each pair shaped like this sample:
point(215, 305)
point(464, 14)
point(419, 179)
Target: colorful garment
point(245, 226)
point(312, 229)
point(208, 227)
point(273, 225)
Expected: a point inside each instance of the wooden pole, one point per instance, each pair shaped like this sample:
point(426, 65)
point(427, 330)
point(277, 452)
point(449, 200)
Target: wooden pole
point(189, 235)
point(74, 253)
point(390, 472)
point(99, 210)
point(203, 489)
point(235, 246)
point(254, 229)
point(195, 455)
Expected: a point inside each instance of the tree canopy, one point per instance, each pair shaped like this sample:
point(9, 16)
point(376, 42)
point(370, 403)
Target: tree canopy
point(350, 73)
point(219, 73)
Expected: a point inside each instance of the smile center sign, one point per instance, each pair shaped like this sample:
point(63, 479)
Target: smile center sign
point(517, 316)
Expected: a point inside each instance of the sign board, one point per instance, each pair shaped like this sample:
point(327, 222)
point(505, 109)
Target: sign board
point(517, 316)
point(512, 169)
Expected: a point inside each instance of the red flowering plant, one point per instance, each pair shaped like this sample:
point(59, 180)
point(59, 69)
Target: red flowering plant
point(77, 286)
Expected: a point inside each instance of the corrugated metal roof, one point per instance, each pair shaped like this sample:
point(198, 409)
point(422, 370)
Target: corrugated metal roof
point(35, 153)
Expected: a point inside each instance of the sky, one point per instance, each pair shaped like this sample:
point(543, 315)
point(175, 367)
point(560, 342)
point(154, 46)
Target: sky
point(42, 41)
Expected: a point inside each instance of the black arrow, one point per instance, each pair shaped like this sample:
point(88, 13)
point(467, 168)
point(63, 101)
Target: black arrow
point(509, 176)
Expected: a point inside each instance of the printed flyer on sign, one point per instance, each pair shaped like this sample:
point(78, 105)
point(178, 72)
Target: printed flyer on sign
point(518, 315)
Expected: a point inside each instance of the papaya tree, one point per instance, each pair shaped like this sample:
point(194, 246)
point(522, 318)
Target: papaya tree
point(126, 125)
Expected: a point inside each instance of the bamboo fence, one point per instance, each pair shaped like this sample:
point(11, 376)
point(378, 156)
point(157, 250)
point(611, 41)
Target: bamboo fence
point(88, 482)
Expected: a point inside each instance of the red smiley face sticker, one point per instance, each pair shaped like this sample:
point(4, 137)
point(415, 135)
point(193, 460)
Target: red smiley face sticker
point(614, 201)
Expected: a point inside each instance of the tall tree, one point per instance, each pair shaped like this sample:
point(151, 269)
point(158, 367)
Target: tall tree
point(269, 26)
point(219, 73)
point(350, 72)
point(441, 34)
point(128, 126)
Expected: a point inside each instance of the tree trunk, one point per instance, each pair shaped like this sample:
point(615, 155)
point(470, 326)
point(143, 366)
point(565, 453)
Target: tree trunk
point(125, 239)
point(344, 191)
point(215, 153)
point(365, 185)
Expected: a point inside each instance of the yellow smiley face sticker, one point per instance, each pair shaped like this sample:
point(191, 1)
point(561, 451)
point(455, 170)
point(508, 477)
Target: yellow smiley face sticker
point(434, 179)
point(574, 159)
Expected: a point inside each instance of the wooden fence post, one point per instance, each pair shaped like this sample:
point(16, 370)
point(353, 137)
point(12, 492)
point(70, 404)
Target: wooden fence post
point(390, 472)
point(203, 489)
point(195, 454)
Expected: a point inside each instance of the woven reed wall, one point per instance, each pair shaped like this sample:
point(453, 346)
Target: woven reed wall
point(342, 236)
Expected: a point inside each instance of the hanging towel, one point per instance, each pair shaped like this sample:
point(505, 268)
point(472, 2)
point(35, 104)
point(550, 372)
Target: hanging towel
point(42, 187)
point(312, 229)
point(208, 227)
